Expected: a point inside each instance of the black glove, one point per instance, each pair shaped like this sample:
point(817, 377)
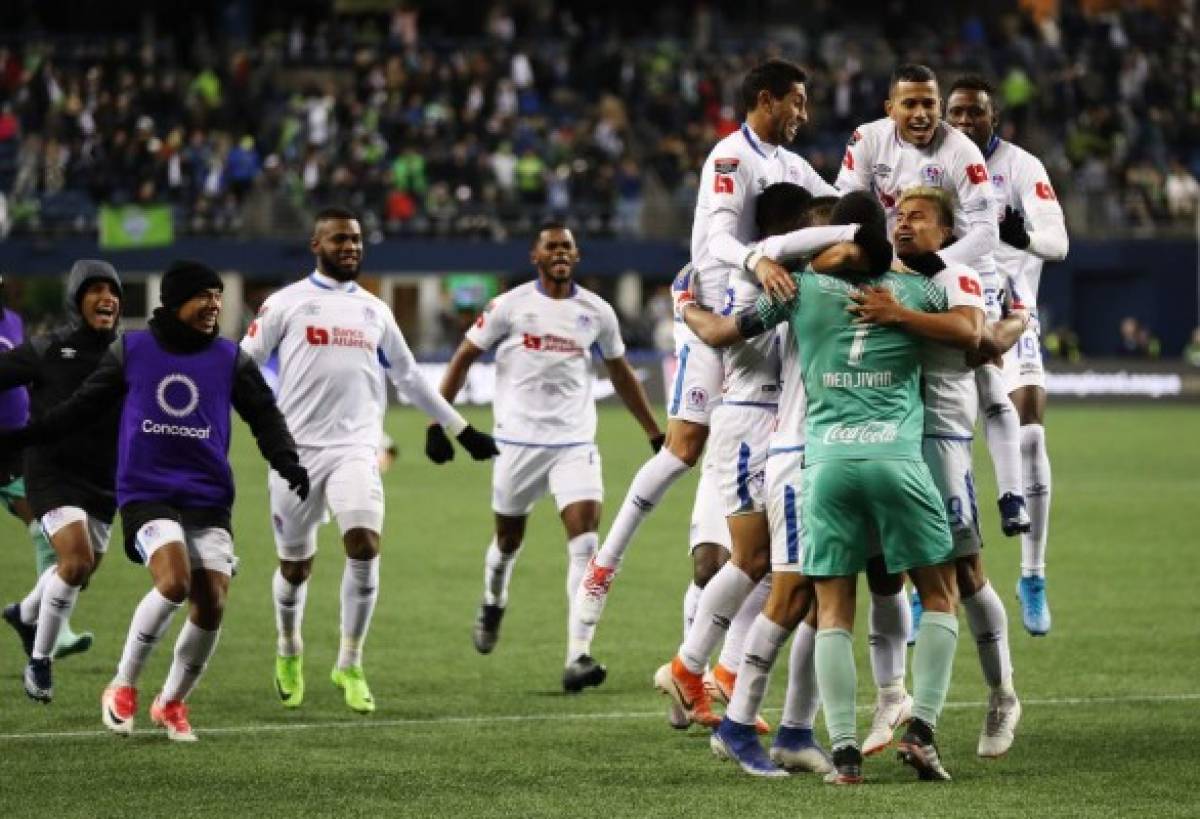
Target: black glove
point(295, 475)
point(656, 443)
point(437, 446)
point(12, 441)
point(481, 445)
point(872, 238)
point(927, 264)
point(1012, 229)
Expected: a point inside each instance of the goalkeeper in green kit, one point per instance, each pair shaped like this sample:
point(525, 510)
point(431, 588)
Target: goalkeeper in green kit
point(865, 481)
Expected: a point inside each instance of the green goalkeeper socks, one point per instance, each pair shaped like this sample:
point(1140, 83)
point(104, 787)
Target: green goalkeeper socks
point(933, 660)
point(836, 679)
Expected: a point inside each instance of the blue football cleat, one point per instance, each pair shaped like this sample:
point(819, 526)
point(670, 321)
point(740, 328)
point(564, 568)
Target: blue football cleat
point(796, 751)
point(733, 740)
point(1035, 611)
point(917, 610)
point(1014, 520)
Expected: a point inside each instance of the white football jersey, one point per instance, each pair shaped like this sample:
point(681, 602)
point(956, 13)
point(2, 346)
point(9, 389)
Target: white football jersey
point(736, 171)
point(878, 160)
point(951, 397)
point(1021, 182)
point(336, 344)
point(751, 366)
point(544, 362)
point(793, 402)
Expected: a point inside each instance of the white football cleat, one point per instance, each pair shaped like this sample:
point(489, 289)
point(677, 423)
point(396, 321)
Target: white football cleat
point(592, 593)
point(889, 715)
point(1003, 714)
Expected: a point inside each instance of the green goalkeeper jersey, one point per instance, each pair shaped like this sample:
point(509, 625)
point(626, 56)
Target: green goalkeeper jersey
point(862, 381)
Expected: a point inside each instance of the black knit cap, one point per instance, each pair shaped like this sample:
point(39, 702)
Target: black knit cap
point(184, 279)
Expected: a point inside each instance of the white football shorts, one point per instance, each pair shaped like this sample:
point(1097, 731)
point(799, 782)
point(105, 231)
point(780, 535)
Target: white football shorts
point(784, 476)
point(739, 438)
point(699, 373)
point(343, 480)
point(708, 517)
point(208, 547)
point(949, 460)
point(522, 474)
point(98, 531)
point(1023, 365)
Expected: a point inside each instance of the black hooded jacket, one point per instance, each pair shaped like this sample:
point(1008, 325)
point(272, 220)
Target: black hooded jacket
point(79, 468)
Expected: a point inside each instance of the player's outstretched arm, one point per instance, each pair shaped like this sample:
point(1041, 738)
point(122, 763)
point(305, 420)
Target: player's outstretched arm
point(456, 372)
point(253, 400)
point(19, 366)
point(627, 386)
point(959, 327)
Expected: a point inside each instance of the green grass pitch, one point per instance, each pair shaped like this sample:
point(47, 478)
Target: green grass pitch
point(1111, 696)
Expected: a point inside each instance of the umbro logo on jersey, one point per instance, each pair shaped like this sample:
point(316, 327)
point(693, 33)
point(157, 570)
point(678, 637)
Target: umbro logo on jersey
point(68, 352)
point(310, 310)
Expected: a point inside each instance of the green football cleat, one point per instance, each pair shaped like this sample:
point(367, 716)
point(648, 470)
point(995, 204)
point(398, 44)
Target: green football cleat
point(71, 643)
point(289, 680)
point(354, 686)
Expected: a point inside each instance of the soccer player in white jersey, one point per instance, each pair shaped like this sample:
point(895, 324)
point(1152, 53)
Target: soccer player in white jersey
point(737, 169)
point(1032, 231)
point(544, 332)
point(924, 223)
point(911, 147)
point(337, 343)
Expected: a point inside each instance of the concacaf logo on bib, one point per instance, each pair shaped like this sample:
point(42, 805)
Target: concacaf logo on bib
point(171, 405)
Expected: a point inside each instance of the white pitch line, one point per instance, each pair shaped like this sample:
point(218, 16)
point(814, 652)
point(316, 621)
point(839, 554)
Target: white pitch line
point(367, 722)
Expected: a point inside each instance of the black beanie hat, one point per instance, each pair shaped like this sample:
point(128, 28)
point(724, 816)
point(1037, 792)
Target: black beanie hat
point(184, 279)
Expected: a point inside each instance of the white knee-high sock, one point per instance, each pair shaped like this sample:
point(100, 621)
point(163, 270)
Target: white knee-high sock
point(1001, 427)
point(648, 487)
point(762, 647)
point(579, 634)
point(1035, 461)
point(360, 590)
point(58, 601)
point(150, 621)
point(739, 627)
point(289, 614)
point(719, 602)
point(691, 601)
point(497, 571)
point(193, 649)
point(802, 700)
point(31, 604)
point(890, 620)
point(989, 626)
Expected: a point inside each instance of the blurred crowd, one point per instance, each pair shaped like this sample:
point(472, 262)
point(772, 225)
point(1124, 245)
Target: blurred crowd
point(528, 110)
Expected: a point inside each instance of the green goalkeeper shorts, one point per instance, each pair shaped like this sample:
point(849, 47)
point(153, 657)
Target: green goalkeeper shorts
point(846, 503)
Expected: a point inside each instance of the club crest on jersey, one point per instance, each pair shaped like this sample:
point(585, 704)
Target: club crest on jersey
point(583, 322)
point(998, 180)
point(697, 398)
point(793, 175)
point(933, 175)
point(729, 165)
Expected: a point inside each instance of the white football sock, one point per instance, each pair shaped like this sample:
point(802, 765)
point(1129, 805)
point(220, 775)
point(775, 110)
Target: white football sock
point(802, 699)
point(360, 590)
point(691, 601)
point(193, 649)
point(648, 487)
point(31, 605)
point(989, 627)
point(289, 614)
point(1001, 427)
point(58, 601)
point(150, 621)
point(579, 635)
point(719, 602)
point(739, 628)
point(1035, 461)
point(497, 571)
point(889, 621)
point(762, 647)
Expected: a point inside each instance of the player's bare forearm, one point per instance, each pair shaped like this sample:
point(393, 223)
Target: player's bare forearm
point(999, 336)
point(629, 389)
point(456, 371)
point(957, 328)
point(713, 330)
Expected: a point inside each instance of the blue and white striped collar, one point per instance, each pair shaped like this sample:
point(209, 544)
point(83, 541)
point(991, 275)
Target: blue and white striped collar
point(329, 283)
point(992, 145)
point(764, 149)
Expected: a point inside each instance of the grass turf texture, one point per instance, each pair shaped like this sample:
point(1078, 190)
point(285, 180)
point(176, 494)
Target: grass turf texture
point(1110, 695)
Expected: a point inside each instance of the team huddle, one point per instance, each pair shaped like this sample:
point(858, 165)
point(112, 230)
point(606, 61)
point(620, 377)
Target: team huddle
point(836, 346)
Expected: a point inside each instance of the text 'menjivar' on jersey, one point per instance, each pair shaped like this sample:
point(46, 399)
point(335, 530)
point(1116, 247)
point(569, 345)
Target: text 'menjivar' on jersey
point(736, 171)
point(862, 381)
point(337, 343)
point(174, 437)
point(544, 362)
